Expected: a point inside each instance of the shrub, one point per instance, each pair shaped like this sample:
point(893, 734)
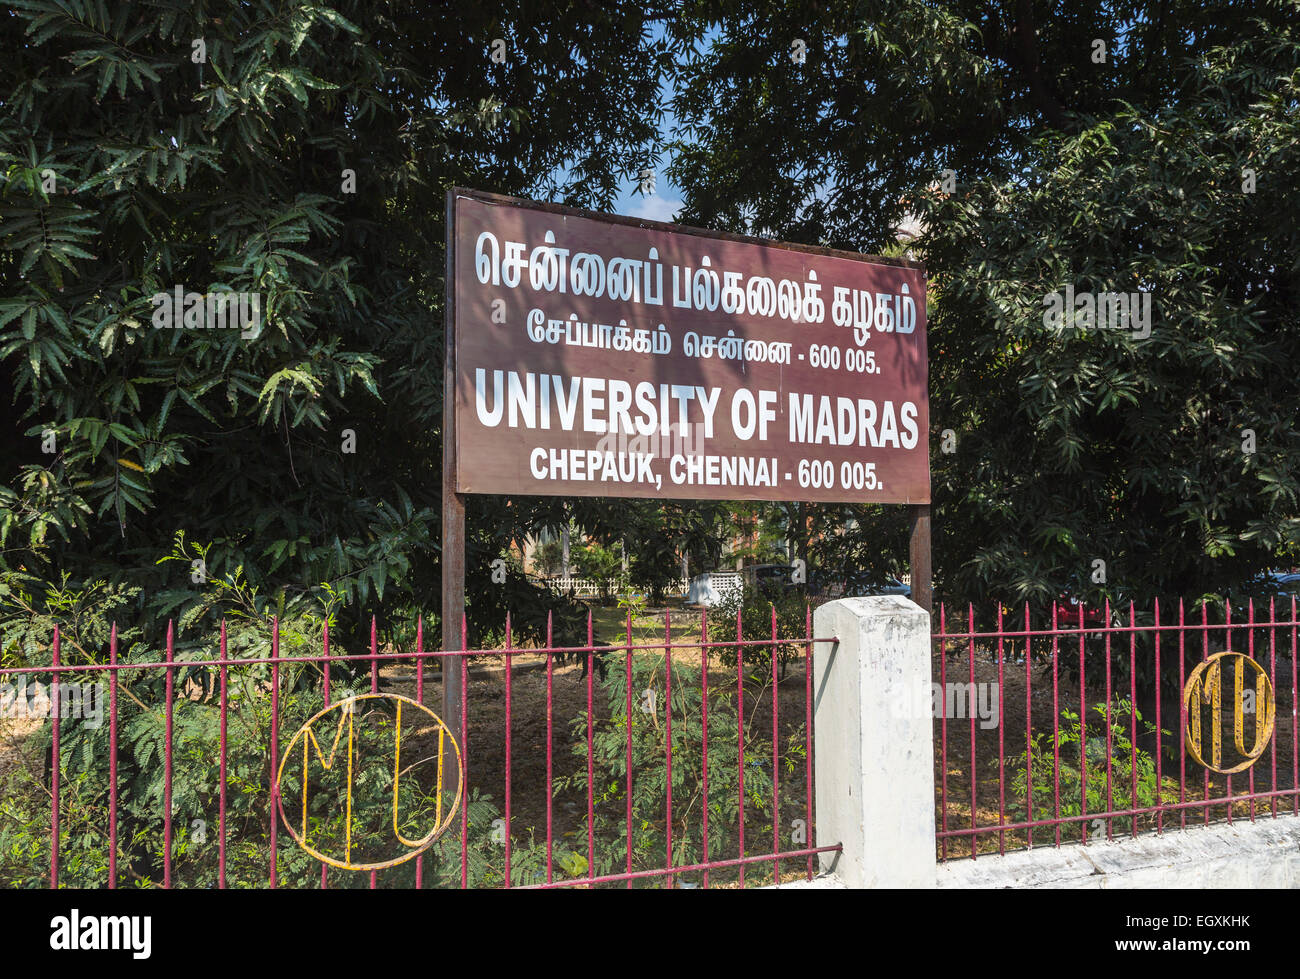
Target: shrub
point(1074, 760)
point(756, 609)
point(29, 611)
point(648, 731)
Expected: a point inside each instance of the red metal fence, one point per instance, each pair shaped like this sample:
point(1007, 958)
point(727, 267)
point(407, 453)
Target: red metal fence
point(683, 759)
point(1031, 763)
point(602, 834)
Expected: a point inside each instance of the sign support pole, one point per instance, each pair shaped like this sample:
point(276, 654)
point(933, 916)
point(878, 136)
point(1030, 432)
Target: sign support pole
point(453, 504)
point(919, 547)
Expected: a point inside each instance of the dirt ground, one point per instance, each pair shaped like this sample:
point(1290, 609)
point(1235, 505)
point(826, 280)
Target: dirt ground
point(487, 717)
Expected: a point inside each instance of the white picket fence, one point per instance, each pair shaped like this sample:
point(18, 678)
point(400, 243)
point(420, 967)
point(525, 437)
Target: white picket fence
point(590, 588)
point(707, 589)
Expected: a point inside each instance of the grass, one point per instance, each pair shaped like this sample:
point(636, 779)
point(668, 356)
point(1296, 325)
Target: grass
point(648, 627)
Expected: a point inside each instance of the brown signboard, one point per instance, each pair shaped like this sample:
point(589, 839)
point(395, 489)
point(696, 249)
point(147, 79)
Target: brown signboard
point(599, 356)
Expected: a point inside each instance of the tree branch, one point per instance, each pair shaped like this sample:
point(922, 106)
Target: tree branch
point(1025, 50)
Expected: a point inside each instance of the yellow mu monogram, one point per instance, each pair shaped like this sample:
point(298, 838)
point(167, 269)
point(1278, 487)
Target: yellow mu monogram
point(1205, 688)
point(346, 710)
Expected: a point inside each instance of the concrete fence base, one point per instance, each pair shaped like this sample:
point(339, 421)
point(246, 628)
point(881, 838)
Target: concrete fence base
point(874, 754)
point(1265, 853)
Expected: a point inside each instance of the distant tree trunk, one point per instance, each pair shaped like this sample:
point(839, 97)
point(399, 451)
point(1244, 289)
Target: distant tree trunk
point(802, 538)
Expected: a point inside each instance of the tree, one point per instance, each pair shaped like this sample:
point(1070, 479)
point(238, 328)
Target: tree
point(1171, 458)
point(549, 556)
point(660, 534)
point(1127, 173)
point(601, 564)
point(298, 154)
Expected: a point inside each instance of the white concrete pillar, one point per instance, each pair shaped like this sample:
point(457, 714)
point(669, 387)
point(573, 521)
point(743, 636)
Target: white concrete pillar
point(874, 741)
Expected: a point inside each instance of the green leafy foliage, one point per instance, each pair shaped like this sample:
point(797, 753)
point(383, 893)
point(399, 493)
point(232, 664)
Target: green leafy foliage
point(1108, 752)
point(646, 728)
point(602, 564)
point(1145, 435)
point(311, 452)
point(85, 618)
point(761, 611)
point(1127, 175)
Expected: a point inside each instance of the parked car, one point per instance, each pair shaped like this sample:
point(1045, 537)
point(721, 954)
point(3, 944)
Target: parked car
point(888, 585)
point(771, 578)
point(1068, 604)
point(1285, 584)
point(855, 585)
point(1066, 607)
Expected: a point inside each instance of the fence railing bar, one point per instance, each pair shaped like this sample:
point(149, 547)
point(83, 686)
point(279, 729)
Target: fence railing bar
point(740, 739)
point(970, 657)
point(1117, 813)
point(54, 770)
point(366, 657)
point(1002, 763)
point(776, 765)
point(419, 696)
point(1227, 605)
point(628, 791)
point(1104, 629)
point(1182, 717)
point(171, 665)
point(591, 777)
point(1295, 714)
point(1110, 781)
point(1132, 718)
point(464, 752)
point(943, 728)
point(1160, 751)
point(1236, 802)
point(168, 763)
point(550, 752)
point(677, 871)
point(112, 760)
point(1056, 731)
point(1205, 654)
point(374, 688)
point(668, 737)
point(509, 725)
point(275, 748)
point(223, 749)
point(1273, 679)
point(1083, 732)
point(1029, 723)
point(1250, 651)
point(704, 735)
point(808, 735)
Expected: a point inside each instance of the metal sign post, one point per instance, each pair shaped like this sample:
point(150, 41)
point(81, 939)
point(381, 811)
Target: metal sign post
point(453, 504)
point(919, 557)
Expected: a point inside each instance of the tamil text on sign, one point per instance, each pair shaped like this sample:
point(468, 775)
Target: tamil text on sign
point(605, 357)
